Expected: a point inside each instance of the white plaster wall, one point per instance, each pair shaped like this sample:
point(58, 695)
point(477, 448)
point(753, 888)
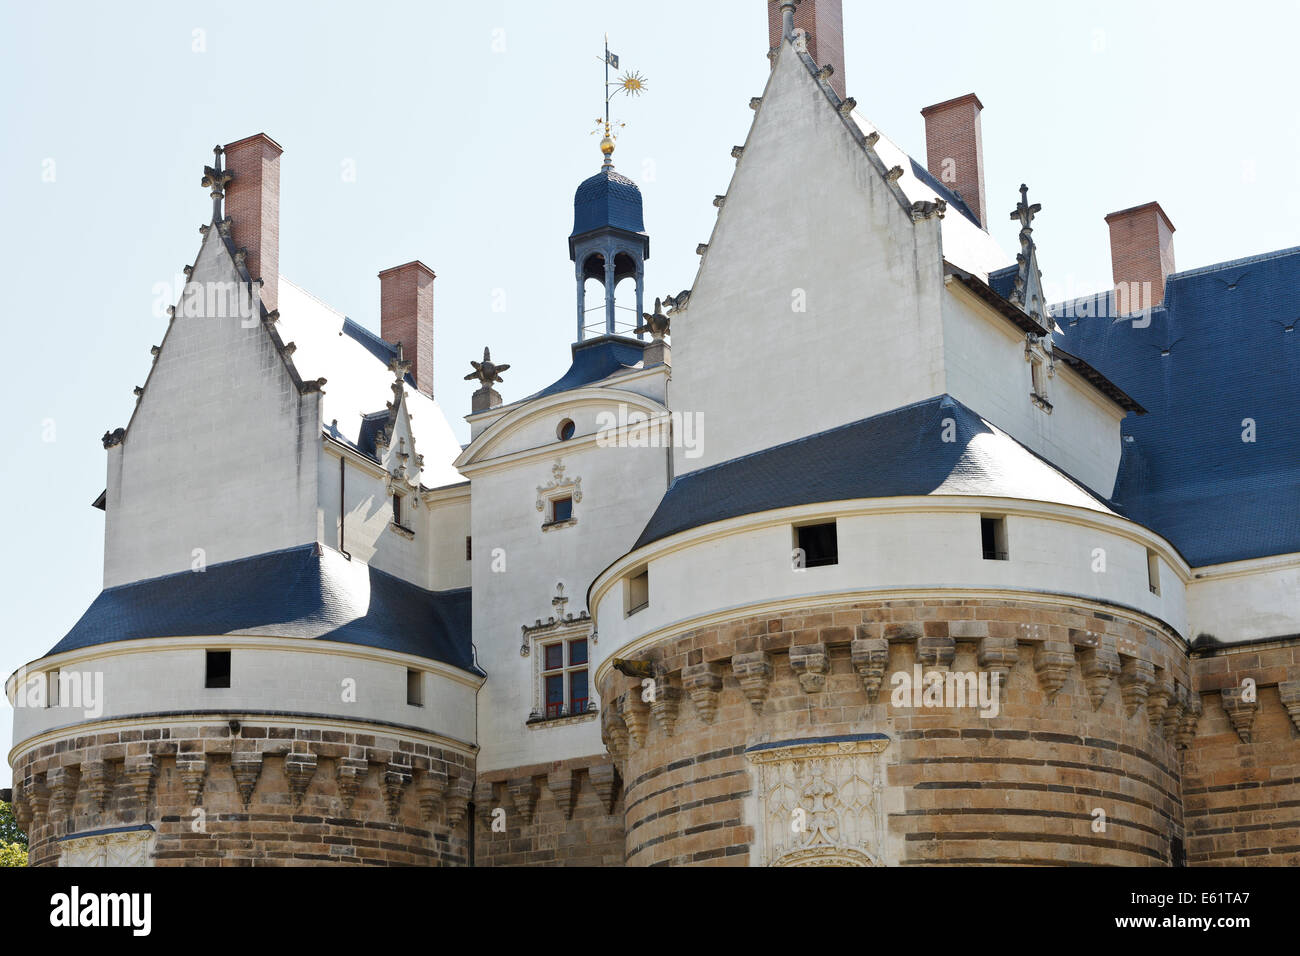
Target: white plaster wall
point(985, 368)
point(303, 679)
point(447, 521)
point(620, 489)
point(368, 536)
point(221, 454)
point(1246, 600)
point(806, 210)
point(892, 550)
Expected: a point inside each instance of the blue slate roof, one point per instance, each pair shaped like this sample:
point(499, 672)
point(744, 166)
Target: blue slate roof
point(380, 349)
point(899, 453)
point(593, 360)
point(1215, 353)
point(607, 199)
point(1003, 281)
point(308, 592)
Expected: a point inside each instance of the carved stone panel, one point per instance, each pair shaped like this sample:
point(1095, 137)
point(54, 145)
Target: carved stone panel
point(820, 801)
point(122, 848)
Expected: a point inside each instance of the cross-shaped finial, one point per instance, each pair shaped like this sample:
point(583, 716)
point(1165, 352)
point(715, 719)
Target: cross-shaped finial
point(216, 178)
point(1025, 213)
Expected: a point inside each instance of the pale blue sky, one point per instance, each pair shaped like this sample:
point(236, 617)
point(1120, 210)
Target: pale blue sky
point(468, 127)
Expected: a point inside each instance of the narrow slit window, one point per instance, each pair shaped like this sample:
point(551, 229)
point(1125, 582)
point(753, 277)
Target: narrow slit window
point(993, 537)
point(414, 687)
point(469, 548)
point(397, 510)
point(218, 669)
point(1153, 573)
point(52, 689)
point(818, 544)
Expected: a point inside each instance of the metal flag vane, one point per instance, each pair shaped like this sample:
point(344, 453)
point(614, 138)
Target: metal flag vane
point(629, 83)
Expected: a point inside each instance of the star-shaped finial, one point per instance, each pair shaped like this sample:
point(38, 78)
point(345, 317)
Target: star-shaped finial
point(486, 372)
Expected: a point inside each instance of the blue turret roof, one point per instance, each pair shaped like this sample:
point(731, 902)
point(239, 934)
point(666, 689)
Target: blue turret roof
point(607, 199)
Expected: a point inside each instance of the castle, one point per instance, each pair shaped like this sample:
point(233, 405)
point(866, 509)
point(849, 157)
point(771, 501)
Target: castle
point(1023, 588)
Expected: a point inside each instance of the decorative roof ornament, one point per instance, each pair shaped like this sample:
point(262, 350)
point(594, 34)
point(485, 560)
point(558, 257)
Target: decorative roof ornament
point(629, 83)
point(217, 179)
point(486, 372)
point(655, 323)
point(1028, 290)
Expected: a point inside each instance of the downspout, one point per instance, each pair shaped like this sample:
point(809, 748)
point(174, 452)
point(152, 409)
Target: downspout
point(343, 470)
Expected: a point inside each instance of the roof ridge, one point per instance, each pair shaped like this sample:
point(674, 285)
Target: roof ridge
point(1248, 260)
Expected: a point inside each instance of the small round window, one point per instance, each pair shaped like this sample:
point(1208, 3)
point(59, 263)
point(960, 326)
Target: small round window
point(566, 429)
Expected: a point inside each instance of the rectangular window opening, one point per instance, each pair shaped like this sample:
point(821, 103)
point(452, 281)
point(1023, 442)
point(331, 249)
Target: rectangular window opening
point(1153, 573)
point(218, 669)
point(52, 689)
point(469, 548)
point(397, 510)
point(818, 544)
point(562, 509)
point(415, 687)
point(638, 591)
point(993, 536)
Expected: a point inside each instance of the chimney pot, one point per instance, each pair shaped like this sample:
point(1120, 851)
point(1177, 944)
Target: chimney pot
point(823, 23)
point(1141, 255)
point(954, 150)
point(253, 208)
point(406, 316)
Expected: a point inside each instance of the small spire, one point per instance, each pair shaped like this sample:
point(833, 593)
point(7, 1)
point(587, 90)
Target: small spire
point(217, 179)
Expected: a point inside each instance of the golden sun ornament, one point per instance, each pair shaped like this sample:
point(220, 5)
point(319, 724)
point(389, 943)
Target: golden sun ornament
point(632, 83)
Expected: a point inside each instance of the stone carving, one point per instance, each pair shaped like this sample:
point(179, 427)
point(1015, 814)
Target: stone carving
point(560, 783)
point(246, 768)
point(703, 682)
point(1240, 711)
point(1162, 691)
point(129, 848)
point(1289, 692)
point(1191, 717)
point(486, 372)
point(350, 773)
point(524, 793)
point(809, 662)
point(299, 768)
point(870, 656)
point(430, 790)
point(1135, 679)
point(396, 778)
point(656, 323)
point(1100, 665)
point(667, 699)
point(999, 655)
point(602, 779)
point(820, 804)
point(754, 672)
point(193, 769)
point(457, 800)
point(935, 652)
point(1052, 662)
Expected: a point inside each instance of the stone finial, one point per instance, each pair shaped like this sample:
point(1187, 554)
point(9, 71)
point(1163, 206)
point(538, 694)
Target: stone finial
point(602, 780)
point(870, 657)
point(1136, 677)
point(486, 372)
point(656, 323)
point(560, 783)
point(349, 774)
point(1053, 661)
point(1100, 666)
point(754, 673)
point(299, 768)
point(1240, 710)
point(703, 682)
point(810, 664)
point(664, 706)
point(216, 179)
point(1289, 692)
point(400, 366)
point(246, 767)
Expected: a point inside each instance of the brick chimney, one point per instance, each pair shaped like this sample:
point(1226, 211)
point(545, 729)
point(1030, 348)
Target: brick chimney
point(253, 205)
point(823, 21)
point(406, 316)
point(1141, 256)
point(954, 150)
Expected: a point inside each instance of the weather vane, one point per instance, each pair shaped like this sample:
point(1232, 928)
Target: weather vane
point(629, 83)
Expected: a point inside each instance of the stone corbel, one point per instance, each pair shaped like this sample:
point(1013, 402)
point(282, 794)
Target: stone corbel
point(1289, 692)
point(523, 794)
point(703, 682)
point(1158, 698)
point(809, 662)
point(299, 768)
point(457, 800)
point(560, 783)
point(1100, 666)
point(935, 652)
point(63, 783)
point(636, 716)
point(193, 770)
point(602, 780)
point(246, 766)
point(141, 770)
point(483, 799)
point(1053, 661)
point(431, 790)
point(1191, 717)
point(1136, 677)
point(97, 775)
point(1174, 712)
point(38, 801)
point(1240, 711)
point(396, 779)
point(614, 730)
point(350, 773)
point(753, 671)
point(870, 656)
point(999, 655)
point(664, 706)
